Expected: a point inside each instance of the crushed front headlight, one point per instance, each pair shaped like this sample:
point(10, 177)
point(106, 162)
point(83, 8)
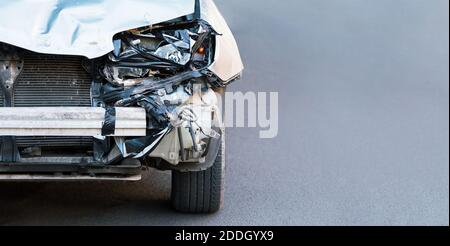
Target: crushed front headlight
point(159, 51)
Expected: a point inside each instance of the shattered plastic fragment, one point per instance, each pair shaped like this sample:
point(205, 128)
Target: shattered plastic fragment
point(119, 75)
point(140, 147)
point(170, 52)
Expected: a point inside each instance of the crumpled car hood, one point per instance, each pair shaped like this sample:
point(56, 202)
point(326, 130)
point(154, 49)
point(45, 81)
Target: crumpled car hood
point(82, 27)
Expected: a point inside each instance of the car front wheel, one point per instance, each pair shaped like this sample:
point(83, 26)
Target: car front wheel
point(200, 192)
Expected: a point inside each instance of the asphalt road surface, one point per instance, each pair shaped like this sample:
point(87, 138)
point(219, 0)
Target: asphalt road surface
point(364, 126)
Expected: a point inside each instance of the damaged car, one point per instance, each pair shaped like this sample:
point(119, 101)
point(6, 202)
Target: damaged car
point(105, 90)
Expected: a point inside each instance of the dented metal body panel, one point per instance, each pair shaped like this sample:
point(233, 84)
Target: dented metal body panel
point(102, 88)
point(83, 27)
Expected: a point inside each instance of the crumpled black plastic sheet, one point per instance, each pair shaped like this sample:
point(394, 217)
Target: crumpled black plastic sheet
point(109, 125)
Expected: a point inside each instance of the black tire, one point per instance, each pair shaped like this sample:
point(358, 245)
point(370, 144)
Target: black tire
point(200, 192)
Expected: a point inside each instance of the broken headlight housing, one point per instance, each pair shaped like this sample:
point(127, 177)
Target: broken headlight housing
point(159, 52)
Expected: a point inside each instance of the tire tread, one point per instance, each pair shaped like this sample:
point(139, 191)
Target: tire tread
point(199, 192)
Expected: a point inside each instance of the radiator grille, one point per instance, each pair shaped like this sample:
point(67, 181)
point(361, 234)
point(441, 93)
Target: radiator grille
point(52, 81)
point(53, 141)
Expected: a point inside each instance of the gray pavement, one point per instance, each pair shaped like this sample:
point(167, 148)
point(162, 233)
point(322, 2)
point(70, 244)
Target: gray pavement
point(364, 126)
